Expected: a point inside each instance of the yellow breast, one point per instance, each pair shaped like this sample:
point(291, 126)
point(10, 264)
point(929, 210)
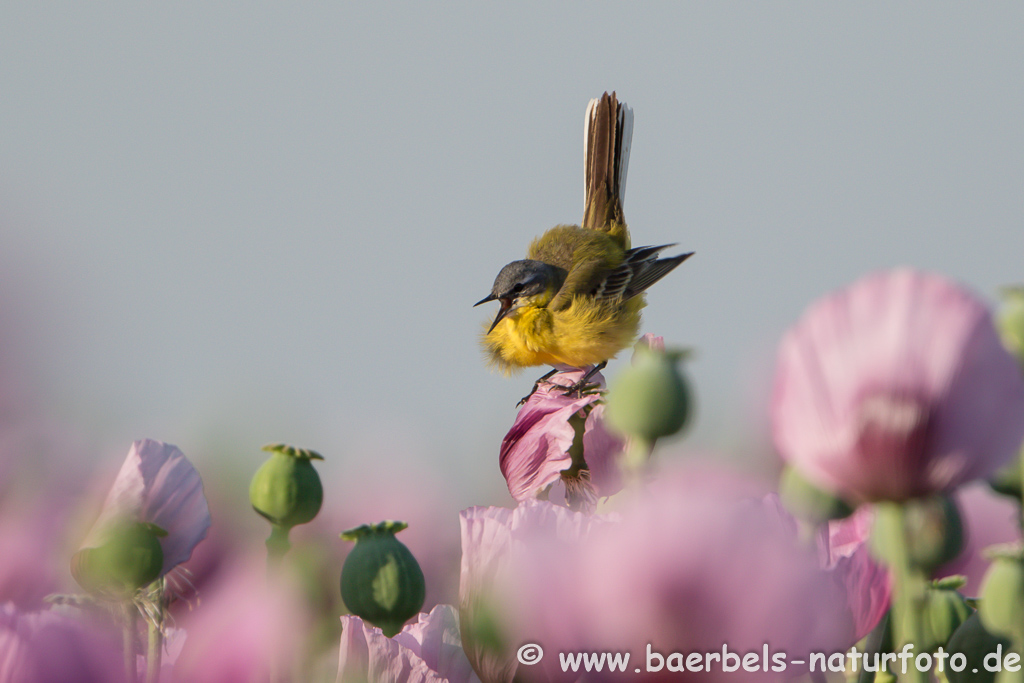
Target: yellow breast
point(585, 333)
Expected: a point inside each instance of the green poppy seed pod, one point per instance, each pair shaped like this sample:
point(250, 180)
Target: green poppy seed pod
point(649, 399)
point(927, 530)
point(945, 610)
point(381, 582)
point(1007, 481)
point(130, 558)
point(1002, 593)
point(975, 643)
point(933, 531)
point(1010, 322)
point(286, 489)
point(806, 501)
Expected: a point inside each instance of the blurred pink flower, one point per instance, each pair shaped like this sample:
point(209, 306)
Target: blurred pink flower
point(601, 450)
point(536, 451)
point(157, 484)
point(650, 341)
point(867, 583)
point(684, 569)
point(486, 542)
point(896, 387)
point(28, 553)
point(988, 519)
point(492, 539)
point(244, 628)
point(427, 651)
point(52, 647)
point(844, 554)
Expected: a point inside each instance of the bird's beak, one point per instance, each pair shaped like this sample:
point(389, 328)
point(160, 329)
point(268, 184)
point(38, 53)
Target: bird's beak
point(489, 297)
point(506, 306)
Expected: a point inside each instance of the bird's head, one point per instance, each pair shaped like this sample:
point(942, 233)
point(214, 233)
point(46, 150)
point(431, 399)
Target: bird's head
point(523, 282)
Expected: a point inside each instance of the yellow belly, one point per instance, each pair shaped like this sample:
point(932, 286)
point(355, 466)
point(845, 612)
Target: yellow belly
point(582, 334)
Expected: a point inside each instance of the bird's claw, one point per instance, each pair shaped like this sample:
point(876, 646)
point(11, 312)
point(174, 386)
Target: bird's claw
point(579, 389)
point(582, 389)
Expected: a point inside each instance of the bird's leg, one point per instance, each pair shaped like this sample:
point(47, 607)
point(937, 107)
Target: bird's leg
point(536, 385)
point(582, 384)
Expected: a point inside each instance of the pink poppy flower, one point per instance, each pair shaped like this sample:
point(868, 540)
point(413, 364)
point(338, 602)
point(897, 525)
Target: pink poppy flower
point(28, 552)
point(244, 628)
point(52, 647)
point(492, 540)
point(867, 583)
point(682, 570)
point(988, 519)
point(650, 341)
point(896, 387)
point(843, 553)
point(601, 449)
point(157, 484)
point(427, 651)
point(537, 449)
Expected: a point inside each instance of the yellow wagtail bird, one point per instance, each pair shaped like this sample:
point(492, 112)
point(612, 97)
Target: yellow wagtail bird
point(576, 299)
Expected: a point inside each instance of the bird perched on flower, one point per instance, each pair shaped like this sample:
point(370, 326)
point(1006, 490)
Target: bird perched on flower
point(576, 299)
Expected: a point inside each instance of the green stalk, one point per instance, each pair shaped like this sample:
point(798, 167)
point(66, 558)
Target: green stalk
point(154, 652)
point(878, 642)
point(635, 459)
point(1005, 676)
point(910, 587)
point(131, 620)
point(1017, 645)
point(277, 545)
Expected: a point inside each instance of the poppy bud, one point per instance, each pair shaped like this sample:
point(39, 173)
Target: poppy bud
point(806, 501)
point(1002, 593)
point(975, 643)
point(1007, 481)
point(934, 532)
point(945, 610)
point(381, 582)
point(930, 528)
point(129, 559)
point(1010, 322)
point(650, 399)
point(286, 489)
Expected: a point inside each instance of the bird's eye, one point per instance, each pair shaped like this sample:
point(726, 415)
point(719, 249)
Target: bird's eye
point(518, 287)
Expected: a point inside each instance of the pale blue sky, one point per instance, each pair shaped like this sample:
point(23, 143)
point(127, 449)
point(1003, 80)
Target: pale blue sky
point(221, 222)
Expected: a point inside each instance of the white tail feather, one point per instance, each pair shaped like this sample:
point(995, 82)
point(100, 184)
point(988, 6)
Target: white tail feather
point(586, 148)
point(626, 125)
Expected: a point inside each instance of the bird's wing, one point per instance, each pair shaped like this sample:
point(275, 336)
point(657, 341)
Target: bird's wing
point(579, 281)
point(641, 269)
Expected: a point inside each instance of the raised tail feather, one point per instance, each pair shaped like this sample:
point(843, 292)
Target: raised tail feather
point(607, 136)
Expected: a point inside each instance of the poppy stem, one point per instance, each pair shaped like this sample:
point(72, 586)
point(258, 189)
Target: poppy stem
point(910, 589)
point(634, 460)
point(154, 650)
point(131, 620)
point(277, 545)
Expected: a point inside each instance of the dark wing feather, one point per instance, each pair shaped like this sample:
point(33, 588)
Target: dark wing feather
point(640, 269)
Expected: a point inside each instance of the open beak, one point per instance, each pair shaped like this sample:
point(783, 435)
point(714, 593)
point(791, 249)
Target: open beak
point(506, 306)
point(489, 297)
